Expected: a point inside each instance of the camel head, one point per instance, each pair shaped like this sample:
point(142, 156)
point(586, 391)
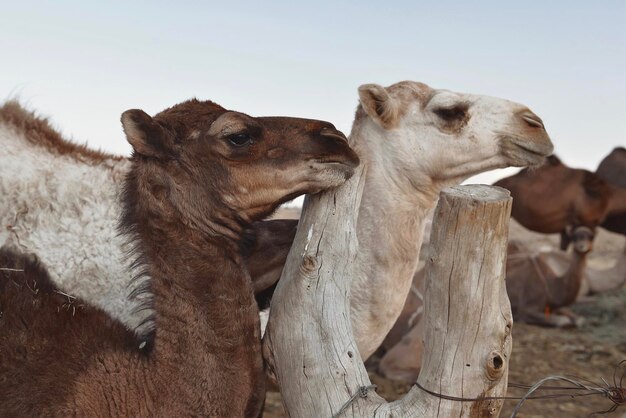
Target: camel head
point(199, 158)
point(581, 237)
point(440, 137)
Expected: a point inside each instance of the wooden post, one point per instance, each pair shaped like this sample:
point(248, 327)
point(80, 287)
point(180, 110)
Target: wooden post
point(309, 344)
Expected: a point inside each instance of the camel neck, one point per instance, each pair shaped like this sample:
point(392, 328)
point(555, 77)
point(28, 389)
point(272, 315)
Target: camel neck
point(199, 285)
point(390, 229)
point(200, 292)
point(565, 289)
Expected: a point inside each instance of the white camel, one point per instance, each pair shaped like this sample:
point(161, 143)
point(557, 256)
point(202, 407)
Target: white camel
point(415, 140)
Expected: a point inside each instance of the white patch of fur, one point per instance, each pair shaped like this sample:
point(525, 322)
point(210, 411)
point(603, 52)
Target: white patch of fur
point(66, 212)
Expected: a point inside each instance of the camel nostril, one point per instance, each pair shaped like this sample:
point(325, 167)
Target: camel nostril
point(334, 134)
point(532, 119)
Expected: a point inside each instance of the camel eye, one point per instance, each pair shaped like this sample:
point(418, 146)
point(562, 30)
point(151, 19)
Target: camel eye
point(451, 114)
point(240, 140)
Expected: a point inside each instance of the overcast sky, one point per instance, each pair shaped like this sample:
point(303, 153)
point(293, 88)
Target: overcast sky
point(83, 64)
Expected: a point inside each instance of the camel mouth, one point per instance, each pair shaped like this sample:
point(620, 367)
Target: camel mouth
point(538, 152)
point(525, 151)
point(344, 168)
point(334, 161)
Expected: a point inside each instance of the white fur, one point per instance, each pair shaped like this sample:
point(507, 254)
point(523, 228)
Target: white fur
point(66, 211)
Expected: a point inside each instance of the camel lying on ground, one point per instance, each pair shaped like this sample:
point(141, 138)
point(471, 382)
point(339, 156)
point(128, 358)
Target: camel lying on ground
point(199, 176)
point(415, 141)
point(537, 292)
point(554, 198)
point(539, 284)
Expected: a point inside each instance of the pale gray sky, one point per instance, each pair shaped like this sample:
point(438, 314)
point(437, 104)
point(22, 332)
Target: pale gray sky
point(83, 63)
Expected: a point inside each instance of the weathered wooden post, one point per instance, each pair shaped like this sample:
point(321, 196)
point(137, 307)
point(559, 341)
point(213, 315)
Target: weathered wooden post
point(309, 344)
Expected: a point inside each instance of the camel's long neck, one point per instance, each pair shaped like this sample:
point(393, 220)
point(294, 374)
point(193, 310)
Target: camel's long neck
point(564, 289)
point(390, 230)
point(201, 289)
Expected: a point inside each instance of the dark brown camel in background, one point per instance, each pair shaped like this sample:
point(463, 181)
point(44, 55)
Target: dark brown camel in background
point(612, 169)
point(269, 245)
point(555, 198)
point(200, 176)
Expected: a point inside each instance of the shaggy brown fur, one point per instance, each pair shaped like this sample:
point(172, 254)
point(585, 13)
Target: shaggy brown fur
point(613, 170)
point(39, 132)
point(555, 198)
point(200, 176)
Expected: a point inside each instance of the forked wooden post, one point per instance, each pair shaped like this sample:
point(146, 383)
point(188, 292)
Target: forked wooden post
point(309, 343)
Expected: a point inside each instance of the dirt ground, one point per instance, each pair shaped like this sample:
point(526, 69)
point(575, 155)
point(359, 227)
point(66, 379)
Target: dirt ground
point(591, 351)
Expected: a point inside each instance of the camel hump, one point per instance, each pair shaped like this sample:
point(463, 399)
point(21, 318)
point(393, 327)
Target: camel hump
point(595, 187)
point(38, 131)
point(613, 167)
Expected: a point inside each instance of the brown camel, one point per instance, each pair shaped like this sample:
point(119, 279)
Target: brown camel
point(612, 169)
point(555, 198)
point(89, 169)
point(199, 176)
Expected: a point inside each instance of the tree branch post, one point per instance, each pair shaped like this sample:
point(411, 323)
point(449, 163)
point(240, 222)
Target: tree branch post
point(309, 345)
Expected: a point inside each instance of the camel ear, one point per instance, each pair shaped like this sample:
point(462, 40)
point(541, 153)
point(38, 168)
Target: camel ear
point(379, 105)
point(145, 135)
